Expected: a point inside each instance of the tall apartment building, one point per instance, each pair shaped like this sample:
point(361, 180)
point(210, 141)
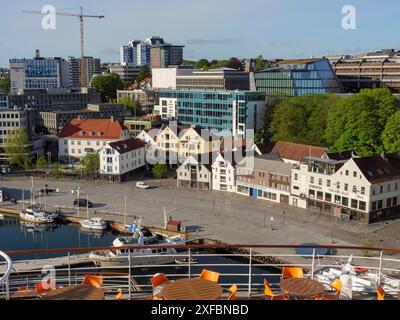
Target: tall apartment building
point(39, 73)
point(164, 55)
point(368, 70)
point(228, 112)
point(290, 78)
point(92, 67)
point(136, 53)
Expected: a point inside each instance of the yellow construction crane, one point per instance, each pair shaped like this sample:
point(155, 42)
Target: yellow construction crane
point(80, 16)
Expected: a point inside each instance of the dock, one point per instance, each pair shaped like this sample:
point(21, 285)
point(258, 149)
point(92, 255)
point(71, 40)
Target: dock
point(36, 265)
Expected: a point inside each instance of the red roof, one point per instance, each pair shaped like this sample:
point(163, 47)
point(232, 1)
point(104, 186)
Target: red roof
point(93, 129)
point(124, 146)
point(295, 151)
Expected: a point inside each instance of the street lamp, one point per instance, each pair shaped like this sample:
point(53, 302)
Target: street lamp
point(49, 159)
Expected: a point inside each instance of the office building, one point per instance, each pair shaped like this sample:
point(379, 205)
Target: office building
point(136, 125)
point(216, 79)
point(290, 78)
point(39, 73)
point(126, 72)
point(227, 112)
point(164, 55)
point(379, 69)
point(92, 68)
point(51, 122)
point(147, 98)
point(165, 78)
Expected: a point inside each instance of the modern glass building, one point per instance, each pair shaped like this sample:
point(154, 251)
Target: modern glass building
point(290, 78)
point(228, 111)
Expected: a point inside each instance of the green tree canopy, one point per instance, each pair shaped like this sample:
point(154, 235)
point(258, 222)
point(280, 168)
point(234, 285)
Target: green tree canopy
point(260, 64)
point(56, 169)
point(107, 85)
point(17, 148)
point(5, 85)
point(391, 134)
point(302, 119)
point(143, 74)
point(160, 171)
point(91, 163)
point(357, 122)
point(41, 163)
point(202, 63)
point(133, 105)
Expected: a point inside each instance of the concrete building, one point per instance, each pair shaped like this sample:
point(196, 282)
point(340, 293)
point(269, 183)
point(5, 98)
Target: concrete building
point(378, 69)
point(10, 120)
point(164, 55)
point(147, 98)
point(136, 53)
point(290, 78)
point(165, 78)
point(92, 68)
point(4, 103)
point(126, 72)
point(223, 174)
point(51, 122)
point(226, 112)
point(81, 137)
point(120, 159)
point(216, 79)
point(262, 178)
point(361, 188)
point(39, 73)
point(194, 175)
point(137, 125)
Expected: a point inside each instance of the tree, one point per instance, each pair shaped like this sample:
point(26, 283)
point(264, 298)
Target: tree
point(260, 64)
point(41, 163)
point(160, 171)
point(17, 148)
point(259, 137)
point(107, 85)
point(234, 63)
point(202, 63)
point(357, 123)
point(133, 105)
point(56, 169)
point(91, 163)
point(391, 134)
point(143, 74)
point(302, 119)
point(5, 85)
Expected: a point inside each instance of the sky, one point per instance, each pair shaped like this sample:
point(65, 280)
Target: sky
point(211, 29)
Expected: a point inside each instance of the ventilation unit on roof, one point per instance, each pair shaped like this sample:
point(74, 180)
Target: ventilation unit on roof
point(81, 133)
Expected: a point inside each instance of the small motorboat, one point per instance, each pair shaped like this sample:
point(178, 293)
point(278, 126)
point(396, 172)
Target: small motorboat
point(185, 261)
point(35, 214)
point(1, 216)
point(95, 223)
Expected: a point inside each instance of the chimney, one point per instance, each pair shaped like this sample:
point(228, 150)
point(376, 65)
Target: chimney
point(112, 119)
point(37, 53)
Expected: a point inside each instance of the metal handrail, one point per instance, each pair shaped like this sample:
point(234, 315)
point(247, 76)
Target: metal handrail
point(73, 274)
point(5, 277)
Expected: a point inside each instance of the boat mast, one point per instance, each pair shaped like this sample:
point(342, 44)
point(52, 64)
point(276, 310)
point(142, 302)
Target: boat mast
point(125, 211)
point(87, 205)
point(32, 193)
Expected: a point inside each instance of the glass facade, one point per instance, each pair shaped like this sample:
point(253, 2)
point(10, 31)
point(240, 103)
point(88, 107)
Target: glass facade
point(298, 78)
point(213, 110)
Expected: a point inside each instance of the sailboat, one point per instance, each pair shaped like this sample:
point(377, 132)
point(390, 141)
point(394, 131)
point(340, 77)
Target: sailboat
point(35, 212)
point(128, 229)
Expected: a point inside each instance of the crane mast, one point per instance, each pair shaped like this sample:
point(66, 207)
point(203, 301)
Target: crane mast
point(81, 16)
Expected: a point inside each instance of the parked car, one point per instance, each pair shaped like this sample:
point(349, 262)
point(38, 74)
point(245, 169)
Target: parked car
point(142, 185)
point(83, 203)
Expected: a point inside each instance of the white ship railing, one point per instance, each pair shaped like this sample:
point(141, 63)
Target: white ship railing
point(245, 266)
point(4, 280)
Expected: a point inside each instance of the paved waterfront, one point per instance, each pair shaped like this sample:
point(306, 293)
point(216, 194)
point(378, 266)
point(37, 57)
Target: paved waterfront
point(227, 217)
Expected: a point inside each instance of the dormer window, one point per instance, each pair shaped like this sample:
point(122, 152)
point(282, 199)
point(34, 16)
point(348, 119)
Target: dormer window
point(81, 133)
point(90, 133)
point(99, 133)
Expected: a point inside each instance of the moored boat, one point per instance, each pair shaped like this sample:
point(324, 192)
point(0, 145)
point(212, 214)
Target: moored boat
point(95, 223)
point(36, 214)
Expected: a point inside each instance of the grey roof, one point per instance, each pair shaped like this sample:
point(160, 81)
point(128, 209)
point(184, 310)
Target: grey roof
point(266, 165)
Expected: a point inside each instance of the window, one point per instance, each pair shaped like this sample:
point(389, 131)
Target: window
point(346, 187)
point(337, 199)
point(388, 202)
point(311, 179)
point(362, 205)
point(311, 193)
point(328, 197)
point(296, 176)
point(362, 190)
point(354, 189)
point(373, 206)
point(354, 203)
point(320, 182)
point(337, 185)
point(345, 201)
point(355, 174)
point(328, 183)
point(347, 172)
point(394, 201)
point(381, 189)
point(380, 204)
